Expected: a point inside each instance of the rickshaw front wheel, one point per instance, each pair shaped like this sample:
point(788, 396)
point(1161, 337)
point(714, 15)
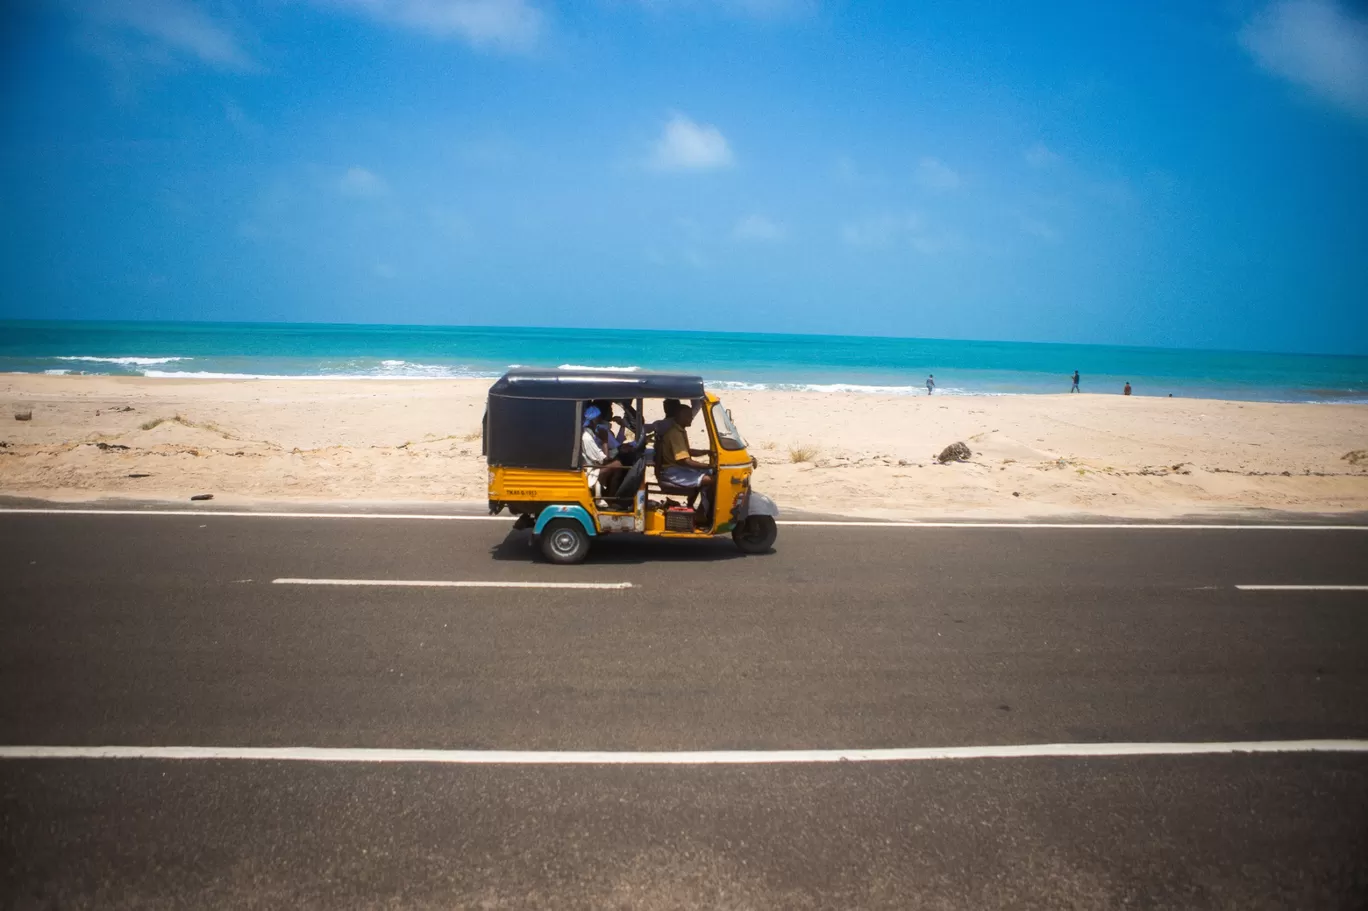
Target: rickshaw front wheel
point(756, 535)
point(564, 541)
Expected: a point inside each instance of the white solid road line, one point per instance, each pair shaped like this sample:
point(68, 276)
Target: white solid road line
point(1303, 588)
point(706, 757)
point(851, 523)
point(437, 583)
point(1098, 525)
point(248, 514)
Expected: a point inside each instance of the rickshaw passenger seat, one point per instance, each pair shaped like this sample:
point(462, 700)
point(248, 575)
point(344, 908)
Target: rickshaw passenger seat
point(631, 482)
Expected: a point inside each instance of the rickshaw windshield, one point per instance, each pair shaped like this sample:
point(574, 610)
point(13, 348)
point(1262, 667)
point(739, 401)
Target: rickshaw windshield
point(727, 434)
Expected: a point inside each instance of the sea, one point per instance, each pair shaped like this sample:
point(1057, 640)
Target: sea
point(823, 363)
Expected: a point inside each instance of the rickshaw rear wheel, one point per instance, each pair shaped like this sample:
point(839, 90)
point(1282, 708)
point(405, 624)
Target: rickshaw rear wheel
point(756, 535)
point(564, 541)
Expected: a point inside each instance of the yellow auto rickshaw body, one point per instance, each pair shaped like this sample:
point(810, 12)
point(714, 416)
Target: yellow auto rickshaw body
point(538, 471)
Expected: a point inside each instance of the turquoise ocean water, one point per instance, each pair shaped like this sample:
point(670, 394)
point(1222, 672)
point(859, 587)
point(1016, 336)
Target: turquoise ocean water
point(726, 360)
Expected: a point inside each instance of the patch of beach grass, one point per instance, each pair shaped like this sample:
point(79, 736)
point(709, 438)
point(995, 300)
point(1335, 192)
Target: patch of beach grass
point(186, 422)
point(802, 453)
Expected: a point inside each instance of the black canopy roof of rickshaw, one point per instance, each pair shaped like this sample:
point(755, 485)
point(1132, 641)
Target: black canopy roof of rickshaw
point(540, 383)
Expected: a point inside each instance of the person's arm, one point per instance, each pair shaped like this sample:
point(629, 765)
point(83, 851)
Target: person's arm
point(693, 463)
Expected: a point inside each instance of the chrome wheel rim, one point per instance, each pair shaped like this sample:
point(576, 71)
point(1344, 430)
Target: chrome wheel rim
point(564, 542)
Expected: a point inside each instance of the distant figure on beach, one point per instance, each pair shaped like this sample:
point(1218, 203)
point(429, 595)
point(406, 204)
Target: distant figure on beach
point(930, 383)
point(1075, 382)
point(1126, 391)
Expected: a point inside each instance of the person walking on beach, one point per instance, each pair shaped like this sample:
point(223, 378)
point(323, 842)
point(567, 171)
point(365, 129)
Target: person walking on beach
point(1126, 391)
point(1075, 382)
point(930, 383)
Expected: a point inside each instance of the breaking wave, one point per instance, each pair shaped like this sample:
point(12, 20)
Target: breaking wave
point(387, 370)
point(862, 389)
point(123, 361)
point(606, 369)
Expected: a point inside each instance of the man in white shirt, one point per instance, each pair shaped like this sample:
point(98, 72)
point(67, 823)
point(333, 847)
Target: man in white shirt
point(604, 468)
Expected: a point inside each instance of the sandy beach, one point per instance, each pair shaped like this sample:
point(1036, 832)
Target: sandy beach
point(838, 453)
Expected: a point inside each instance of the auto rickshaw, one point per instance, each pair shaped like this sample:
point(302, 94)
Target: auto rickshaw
point(533, 429)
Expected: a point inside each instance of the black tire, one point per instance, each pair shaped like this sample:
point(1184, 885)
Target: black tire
point(564, 541)
point(756, 535)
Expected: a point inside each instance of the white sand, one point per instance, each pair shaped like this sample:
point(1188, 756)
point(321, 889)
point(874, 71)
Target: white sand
point(245, 440)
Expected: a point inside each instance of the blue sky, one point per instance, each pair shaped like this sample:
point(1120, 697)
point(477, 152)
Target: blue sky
point(1160, 173)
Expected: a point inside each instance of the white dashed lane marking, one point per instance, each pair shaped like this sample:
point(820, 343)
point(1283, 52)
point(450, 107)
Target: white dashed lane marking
point(441, 583)
point(1303, 588)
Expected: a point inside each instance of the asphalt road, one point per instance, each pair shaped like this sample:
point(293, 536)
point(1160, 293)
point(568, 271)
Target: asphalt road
point(150, 630)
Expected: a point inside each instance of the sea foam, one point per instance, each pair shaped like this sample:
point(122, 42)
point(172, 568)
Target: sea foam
point(605, 369)
point(125, 361)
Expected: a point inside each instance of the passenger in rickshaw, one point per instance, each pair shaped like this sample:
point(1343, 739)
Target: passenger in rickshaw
point(658, 427)
point(676, 465)
point(644, 435)
point(616, 444)
point(600, 452)
point(608, 438)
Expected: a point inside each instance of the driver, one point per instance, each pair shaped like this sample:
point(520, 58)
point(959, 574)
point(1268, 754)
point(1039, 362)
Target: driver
point(678, 467)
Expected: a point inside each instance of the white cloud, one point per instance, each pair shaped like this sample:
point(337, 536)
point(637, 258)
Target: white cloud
point(240, 120)
point(760, 9)
point(878, 231)
point(1316, 44)
point(758, 228)
point(361, 183)
point(888, 230)
point(685, 145)
point(164, 27)
point(770, 8)
point(934, 174)
point(1040, 156)
point(514, 25)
